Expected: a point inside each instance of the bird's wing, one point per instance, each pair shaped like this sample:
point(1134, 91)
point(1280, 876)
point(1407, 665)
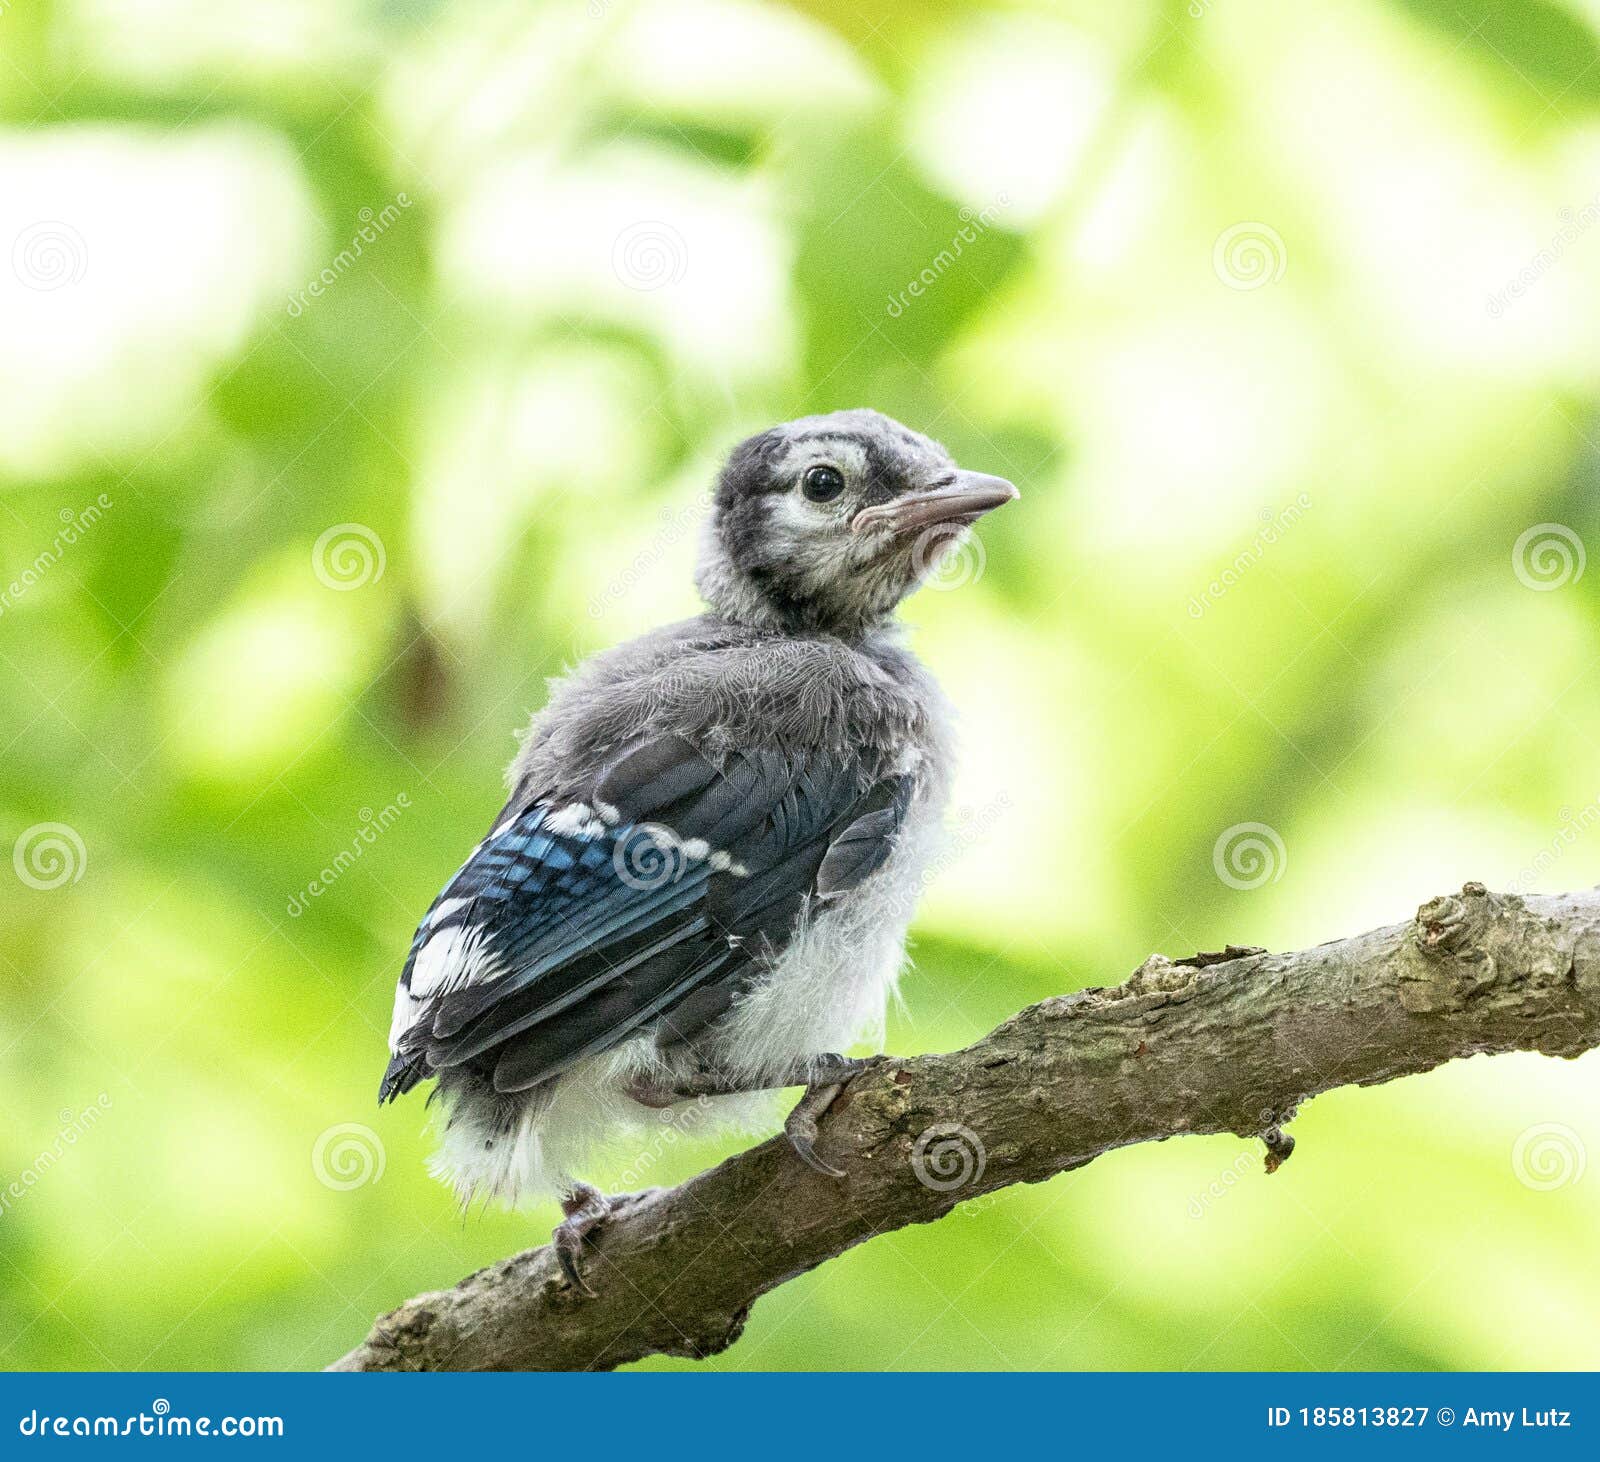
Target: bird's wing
point(572, 926)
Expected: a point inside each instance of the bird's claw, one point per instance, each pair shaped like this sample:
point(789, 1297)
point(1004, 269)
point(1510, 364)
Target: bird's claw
point(568, 1250)
point(801, 1126)
point(586, 1208)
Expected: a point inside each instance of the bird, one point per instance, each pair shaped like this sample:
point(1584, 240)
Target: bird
point(700, 883)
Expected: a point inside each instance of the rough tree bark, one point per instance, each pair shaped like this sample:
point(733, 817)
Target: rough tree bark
point(1227, 1042)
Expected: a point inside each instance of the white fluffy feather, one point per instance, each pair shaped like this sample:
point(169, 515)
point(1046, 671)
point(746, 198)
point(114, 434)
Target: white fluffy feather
point(828, 991)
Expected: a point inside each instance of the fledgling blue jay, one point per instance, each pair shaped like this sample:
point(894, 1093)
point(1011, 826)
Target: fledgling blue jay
point(701, 883)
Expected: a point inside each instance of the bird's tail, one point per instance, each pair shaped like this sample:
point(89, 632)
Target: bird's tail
point(402, 1073)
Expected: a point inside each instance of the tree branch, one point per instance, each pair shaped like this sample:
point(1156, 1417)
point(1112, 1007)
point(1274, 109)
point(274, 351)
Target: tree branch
point(1228, 1042)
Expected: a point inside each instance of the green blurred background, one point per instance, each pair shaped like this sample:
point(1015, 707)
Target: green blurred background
point(363, 364)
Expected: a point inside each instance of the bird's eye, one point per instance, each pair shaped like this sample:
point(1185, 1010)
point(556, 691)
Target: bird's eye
point(820, 484)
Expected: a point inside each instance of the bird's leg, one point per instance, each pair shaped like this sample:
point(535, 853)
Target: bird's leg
point(586, 1208)
point(828, 1069)
point(832, 1068)
point(823, 1077)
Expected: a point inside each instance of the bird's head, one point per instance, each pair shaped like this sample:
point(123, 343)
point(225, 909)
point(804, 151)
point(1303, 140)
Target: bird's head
point(823, 525)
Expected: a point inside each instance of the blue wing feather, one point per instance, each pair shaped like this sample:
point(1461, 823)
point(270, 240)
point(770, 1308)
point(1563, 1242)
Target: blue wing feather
point(540, 951)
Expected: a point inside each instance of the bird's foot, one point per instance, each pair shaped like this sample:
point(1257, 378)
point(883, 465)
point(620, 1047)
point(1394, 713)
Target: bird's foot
point(586, 1208)
point(823, 1076)
point(652, 1094)
point(826, 1076)
point(801, 1126)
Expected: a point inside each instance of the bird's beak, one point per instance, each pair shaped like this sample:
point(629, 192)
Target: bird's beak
point(962, 501)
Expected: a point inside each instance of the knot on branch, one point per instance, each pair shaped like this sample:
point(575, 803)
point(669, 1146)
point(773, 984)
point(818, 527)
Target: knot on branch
point(1476, 941)
point(1161, 979)
point(1158, 975)
point(1453, 923)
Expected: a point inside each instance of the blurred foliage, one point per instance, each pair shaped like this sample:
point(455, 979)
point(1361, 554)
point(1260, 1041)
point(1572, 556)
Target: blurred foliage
point(1284, 319)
